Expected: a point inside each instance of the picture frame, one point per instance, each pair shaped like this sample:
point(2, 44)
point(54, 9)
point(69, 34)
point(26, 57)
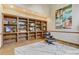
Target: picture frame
point(63, 18)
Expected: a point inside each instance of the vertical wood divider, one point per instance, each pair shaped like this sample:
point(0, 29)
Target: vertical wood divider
point(28, 28)
point(2, 30)
point(17, 29)
point(46, 26)
point(35, 30)
point(42, 29)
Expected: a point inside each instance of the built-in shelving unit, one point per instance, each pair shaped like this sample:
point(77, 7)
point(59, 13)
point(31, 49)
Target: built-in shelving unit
point(9, 29)
point(17, 28)
point(22, 25)
point(38, 26)
point(32, 24)
point(44, 26)
point(32, 35)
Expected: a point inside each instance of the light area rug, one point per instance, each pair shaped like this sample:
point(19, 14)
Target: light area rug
point(41, 48)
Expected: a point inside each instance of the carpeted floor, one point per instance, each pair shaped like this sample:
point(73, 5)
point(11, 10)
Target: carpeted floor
point(41, 48)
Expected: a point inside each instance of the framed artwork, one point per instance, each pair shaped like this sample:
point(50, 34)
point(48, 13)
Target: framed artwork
point(64, 18)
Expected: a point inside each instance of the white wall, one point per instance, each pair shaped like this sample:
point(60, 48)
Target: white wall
point(74, 38)
point(75, 17)
point(40, 8)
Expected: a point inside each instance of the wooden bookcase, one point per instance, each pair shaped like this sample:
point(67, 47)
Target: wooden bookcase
point(17, 28)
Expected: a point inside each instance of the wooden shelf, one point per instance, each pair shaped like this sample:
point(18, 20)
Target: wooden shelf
point(10, 25)
point(22, 36)
point(22, 32)
point(34, 29)
point(10, 33)
point(39, 31)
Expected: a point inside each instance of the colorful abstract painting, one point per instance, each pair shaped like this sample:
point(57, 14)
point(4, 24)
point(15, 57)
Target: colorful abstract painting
point(64, 18)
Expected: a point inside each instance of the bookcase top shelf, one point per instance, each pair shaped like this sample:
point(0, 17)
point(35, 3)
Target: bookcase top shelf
point(20, 17)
